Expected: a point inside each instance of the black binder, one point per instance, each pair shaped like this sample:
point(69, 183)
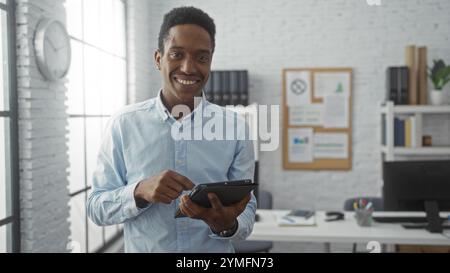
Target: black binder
point(234, 87)
point(217, 86)
point(209, 88)
point(243, 88)
point(226, 94)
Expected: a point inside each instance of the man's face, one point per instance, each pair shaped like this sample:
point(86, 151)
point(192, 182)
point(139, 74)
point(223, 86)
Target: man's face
point(186, 62)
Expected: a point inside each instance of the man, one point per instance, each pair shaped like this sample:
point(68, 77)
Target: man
point(143, 169)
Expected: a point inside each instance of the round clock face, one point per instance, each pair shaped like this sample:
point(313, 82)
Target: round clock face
point(52, 49)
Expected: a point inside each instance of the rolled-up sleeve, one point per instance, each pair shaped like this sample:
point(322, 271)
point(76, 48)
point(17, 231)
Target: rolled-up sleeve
point(243, 167)
point(112, 199)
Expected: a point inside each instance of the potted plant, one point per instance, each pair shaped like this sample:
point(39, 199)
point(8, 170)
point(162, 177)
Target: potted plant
point(440, 76)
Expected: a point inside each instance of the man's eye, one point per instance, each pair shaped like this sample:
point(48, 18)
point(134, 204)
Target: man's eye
point(175, 55)
point(204, 58)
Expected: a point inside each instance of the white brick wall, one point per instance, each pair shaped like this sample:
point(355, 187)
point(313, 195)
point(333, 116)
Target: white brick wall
point(266, 36)
point(142, 37)
point(44, 196)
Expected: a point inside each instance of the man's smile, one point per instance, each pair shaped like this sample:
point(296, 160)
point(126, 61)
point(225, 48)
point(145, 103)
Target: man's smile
point(187, 80)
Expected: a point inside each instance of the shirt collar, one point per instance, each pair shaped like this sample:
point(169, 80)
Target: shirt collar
point(165, 114)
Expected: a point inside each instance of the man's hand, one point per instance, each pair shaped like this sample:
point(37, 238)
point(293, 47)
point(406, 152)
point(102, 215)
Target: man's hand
point(218, 217)
point(162, 188)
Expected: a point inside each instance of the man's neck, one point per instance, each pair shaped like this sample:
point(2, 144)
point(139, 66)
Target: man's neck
point(170, 101)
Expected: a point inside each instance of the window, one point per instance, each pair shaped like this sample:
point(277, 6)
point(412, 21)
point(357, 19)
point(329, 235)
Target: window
point(96, 89)
point(9, 183)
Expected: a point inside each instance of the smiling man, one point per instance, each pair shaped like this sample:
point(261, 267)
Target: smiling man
point(143, 170)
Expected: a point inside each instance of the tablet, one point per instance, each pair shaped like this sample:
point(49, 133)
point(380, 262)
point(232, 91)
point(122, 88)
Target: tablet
point(229, 192)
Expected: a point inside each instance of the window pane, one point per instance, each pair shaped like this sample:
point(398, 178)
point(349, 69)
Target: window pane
point(95, 235)
point(118, 25)
point(4, 76)
point(110, 232)
point(91, 16)
point(75, 76)
point(78, 221)
point(74, 18)
point(93, 141)
point(5, 168)
point(107, 31)
point(76, 154)
point(92, 72)
point(3, 240)
point(113, 91)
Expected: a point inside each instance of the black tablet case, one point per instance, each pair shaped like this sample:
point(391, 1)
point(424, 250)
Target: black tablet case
point(229, 193)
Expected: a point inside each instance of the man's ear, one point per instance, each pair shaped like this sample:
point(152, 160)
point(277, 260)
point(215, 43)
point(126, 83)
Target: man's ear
point(158, 59)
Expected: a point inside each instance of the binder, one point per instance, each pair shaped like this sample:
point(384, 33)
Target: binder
point(208, 89)
point(404, 83)
point(234, 87)
point(226, 94)
point(217, 86)
point(243, 90)
point(391, 85)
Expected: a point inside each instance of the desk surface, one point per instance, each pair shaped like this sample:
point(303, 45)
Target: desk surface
point(344, 231)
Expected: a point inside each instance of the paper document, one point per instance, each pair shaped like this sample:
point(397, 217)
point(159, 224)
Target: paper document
point(307, 115)
point(298, 90)
point(330, 145)
point(336, 112)
point(326, 84)
point(300, 145)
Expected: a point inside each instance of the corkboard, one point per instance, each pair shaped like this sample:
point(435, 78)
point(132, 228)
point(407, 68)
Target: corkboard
point(344, 164)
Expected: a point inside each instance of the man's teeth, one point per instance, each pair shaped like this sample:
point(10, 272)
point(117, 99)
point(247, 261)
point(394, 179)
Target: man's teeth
point(186, 82)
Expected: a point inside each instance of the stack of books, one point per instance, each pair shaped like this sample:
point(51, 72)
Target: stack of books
point(408, 132)
point(227, 87)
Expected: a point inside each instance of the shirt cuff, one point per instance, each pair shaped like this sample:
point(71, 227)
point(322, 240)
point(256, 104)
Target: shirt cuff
point(130, 209)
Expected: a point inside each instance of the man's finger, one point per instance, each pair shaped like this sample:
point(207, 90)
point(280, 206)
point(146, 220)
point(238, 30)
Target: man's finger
point(243, 203)
point(170, 192)
point(182, 180)
point(165, 191)
point(161, 197)
point(191, 205)
point(190, 212)
point(174, 185)
point(215, 201)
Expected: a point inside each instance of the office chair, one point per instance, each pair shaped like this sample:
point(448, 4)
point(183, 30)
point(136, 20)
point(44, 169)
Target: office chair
point(377, 204)
point(244, 246)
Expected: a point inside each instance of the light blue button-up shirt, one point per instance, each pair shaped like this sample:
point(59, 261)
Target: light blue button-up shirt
point(138, 144)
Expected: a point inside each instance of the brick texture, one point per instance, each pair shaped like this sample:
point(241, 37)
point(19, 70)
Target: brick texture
point(44, 196)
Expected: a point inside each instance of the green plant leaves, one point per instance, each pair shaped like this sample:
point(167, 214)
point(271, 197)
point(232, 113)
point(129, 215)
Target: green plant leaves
point(439, 74)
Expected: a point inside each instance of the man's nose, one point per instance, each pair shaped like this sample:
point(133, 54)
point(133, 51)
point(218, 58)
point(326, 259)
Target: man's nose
point(188, 66)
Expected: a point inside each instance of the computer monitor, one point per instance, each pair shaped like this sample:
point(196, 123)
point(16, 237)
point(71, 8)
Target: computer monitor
point(418, 186)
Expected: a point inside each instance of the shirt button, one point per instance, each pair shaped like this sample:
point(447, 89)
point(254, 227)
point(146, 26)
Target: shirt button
point(179, 162)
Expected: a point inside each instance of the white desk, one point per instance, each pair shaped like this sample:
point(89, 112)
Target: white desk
point(343, 231)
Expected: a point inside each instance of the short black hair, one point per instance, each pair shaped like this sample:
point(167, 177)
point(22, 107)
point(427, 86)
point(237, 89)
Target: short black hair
point(186, 15)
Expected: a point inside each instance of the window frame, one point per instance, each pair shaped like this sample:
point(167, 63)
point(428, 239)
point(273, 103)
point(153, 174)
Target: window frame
point(13, 234)
point(85, 117)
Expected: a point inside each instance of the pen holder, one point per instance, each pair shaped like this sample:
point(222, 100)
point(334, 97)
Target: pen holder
point(363, 217)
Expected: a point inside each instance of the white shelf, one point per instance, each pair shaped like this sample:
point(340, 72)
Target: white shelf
point(420, 109)
point(419, 151)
